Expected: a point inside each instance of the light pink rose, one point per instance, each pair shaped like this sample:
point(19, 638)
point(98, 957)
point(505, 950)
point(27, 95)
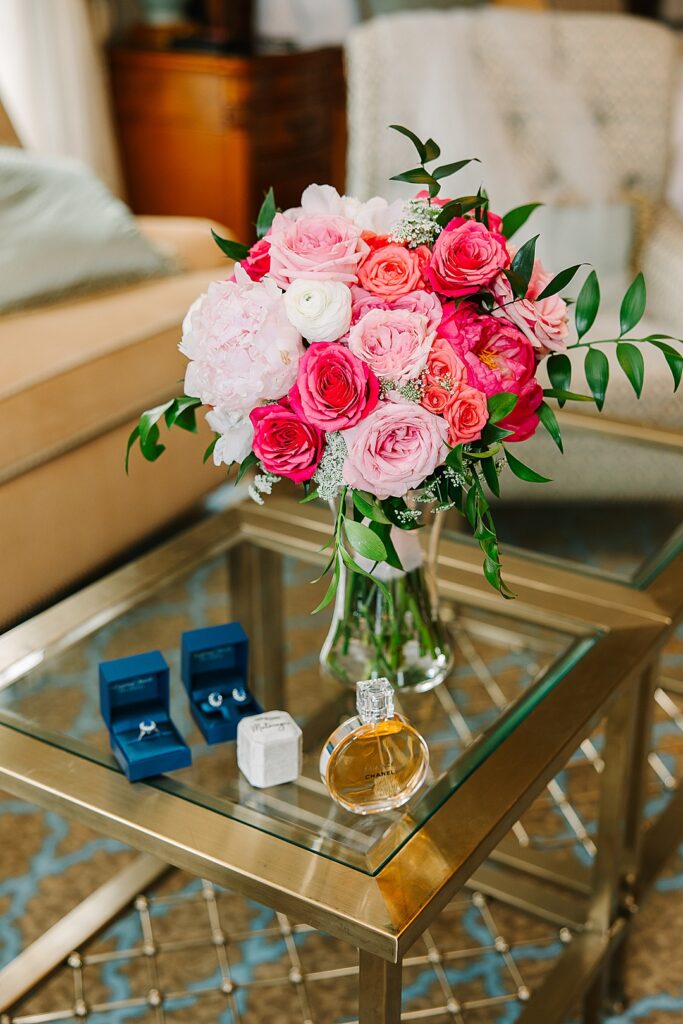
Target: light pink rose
point(334, 389)
point(315, 245)
point(544, 323)
point(466, 414)
point(393, 342)
point(467, 256)
point(523, 420)
point(390, 269)
point(394, 449)
point(419, 301)
point(242, 348)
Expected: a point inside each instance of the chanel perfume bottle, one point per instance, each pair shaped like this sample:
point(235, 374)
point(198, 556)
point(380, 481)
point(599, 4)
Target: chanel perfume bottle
point(375, 761)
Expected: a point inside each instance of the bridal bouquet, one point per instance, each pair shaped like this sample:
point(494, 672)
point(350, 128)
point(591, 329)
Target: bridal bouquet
point(387, 356)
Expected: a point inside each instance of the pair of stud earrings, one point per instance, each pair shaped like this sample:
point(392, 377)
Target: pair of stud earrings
point(214, 703)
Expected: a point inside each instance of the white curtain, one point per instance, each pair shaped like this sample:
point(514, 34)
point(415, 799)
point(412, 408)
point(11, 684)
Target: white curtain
point(53, 84)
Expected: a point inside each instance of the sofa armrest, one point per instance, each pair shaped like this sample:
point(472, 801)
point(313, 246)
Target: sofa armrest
point(662, 264)
point(189, 240)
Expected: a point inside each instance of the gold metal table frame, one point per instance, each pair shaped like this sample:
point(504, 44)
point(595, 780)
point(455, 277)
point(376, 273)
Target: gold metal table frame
point(382, 911)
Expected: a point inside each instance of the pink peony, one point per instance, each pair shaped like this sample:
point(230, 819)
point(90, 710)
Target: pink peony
point(390, 269)
point(461, 325)
point(500, 356)
point(466, 258)
point(544, 323)
point(466, 414)
point(393, 342)
point(334, 389)
point(523, 419)
point(315, 245)
point(241, 346)
point(394, 449)
point(285, 444)
point(257, 263)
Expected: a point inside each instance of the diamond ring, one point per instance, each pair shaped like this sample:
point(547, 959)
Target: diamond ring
point(215, 700)
point(147, 727)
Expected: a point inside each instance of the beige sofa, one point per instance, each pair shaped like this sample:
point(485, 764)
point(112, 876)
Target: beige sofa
point(73, 377)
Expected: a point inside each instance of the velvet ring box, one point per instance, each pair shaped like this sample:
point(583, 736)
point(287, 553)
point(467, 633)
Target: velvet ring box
point(215, 665)
point(134, 701)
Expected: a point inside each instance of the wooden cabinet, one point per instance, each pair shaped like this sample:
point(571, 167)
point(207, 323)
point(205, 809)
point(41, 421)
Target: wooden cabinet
point(207, 135)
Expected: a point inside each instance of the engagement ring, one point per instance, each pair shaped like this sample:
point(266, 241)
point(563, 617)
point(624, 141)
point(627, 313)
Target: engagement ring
point(215, 700)
point(147, 727)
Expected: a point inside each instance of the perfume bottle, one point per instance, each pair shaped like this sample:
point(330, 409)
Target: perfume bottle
point(375, 761)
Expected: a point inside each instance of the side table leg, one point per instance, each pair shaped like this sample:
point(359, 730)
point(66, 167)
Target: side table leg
point(379, 990)
point(256, 588)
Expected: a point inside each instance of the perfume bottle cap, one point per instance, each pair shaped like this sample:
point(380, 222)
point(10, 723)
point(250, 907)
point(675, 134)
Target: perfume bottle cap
point(374, 700)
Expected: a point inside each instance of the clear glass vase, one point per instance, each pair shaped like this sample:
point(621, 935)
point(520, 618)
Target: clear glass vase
point(405, 639)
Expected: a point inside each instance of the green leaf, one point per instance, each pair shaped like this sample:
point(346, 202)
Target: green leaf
point(673, 358)
point(566, 396)
point(549, 421)
point(131, 441)
point(182, 413)
point(309, 497)
point(150, 446)
point(432, 150)
point(523, 262)
point(246, 464)
point(209, 451)
point(454, 459)
point(416, 176)
point(419, 145)
point(501, 405)
point(631, 361)
point(445, 170)
point(150, 418)
point(490, 472)
point(559, 282)
point(518, 284)
point(394, 508)
point(471, 510)
point(369, 507)
point(514, 219)
point(354, 567)
point(596, 368)
point(266, 214)
point(459, 207)
point(587, 304)
point(233, 250)
point(364, 541)
point(523, 471)
point(331, 590)
point(632, 305)
point(560, 372)
point(490, 434)
point(383, 531)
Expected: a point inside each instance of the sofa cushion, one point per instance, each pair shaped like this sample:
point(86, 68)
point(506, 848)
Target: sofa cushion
point(68, 372)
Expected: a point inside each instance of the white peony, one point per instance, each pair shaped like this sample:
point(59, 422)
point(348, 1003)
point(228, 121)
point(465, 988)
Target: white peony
point(319, 309)
point(377, 215)
point(236, 436)
point(242, 348)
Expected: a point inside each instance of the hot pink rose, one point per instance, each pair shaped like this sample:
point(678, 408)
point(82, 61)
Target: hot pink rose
point(391, 269)
point(419, 301)
point(257, 263)
point(315, 245)
point(394, 343)
point(334, 389)
point(523, 419)
point(544, 323)
point(467, 256)
point(286, 444)
point(394, 449)
point(466, 414)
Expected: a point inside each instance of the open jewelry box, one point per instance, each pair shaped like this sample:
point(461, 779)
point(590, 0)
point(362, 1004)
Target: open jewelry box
point(134, 701)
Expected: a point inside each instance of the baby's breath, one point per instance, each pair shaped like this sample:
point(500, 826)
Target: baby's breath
point(418, 224)
point(328, 475)
point(409, 515)
point(262, 484)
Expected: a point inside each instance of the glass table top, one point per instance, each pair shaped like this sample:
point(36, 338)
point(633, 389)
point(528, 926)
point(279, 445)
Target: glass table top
point(503, 666)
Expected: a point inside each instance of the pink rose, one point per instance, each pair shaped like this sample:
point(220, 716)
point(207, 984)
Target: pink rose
point(435, 397)
point(419, 301)
point(394, 343)
point(394, 449)
point(334, 389)
point(467, 256)
point(315, 245)
point(466, 414)
point(443, 371)
point(544, 323)
point(523, 419)
point(257, 263)
point(285, 444)
point(391, 269)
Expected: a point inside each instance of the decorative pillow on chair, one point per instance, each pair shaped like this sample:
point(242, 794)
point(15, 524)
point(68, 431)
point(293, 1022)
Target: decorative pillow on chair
point(61, 230)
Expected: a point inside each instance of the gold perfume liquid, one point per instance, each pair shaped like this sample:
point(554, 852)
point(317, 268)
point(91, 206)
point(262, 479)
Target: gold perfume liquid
point(375, 761)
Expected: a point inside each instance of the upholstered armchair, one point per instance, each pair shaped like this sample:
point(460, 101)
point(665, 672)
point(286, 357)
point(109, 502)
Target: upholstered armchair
point(573, 110)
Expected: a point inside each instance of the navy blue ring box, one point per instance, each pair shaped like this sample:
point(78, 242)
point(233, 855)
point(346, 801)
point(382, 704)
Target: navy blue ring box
point(216, 660)
point(135, 690)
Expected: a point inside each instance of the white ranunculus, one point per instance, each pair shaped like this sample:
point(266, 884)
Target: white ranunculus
point(236, 436)
point(320, 310)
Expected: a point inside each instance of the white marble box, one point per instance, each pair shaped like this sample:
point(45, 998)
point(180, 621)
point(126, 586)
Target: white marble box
point(269, 749)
